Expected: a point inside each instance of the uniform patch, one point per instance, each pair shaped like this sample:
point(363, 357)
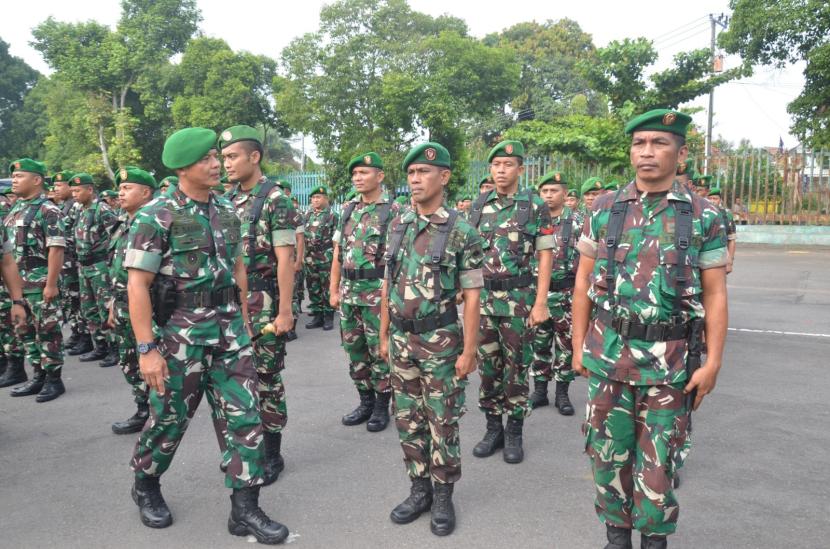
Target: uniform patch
point(226, 135)
point(508, 148)
point(430, 153)
point(123, 174)
point(669, 119)
point(367, 159)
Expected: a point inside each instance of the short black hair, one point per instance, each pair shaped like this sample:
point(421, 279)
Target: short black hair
point(250, 146)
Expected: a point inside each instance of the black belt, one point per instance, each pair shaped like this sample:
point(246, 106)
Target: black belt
point(27, 263)
point(262, 285)
point(92, 260)
point(504, 284)
point(195, 300)
point(426, 324)
point(564, 284)
point(363, 274)
point(632, 329)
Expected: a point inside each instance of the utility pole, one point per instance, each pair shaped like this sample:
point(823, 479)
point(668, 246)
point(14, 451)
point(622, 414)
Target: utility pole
point(720, 20)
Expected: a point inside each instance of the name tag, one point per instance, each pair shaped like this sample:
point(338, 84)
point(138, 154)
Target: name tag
point(19, 223)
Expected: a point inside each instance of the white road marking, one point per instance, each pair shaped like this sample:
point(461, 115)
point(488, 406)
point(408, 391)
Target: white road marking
point(778, 332)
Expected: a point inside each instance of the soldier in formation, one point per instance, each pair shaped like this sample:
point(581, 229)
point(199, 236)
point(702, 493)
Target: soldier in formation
point(320, 224)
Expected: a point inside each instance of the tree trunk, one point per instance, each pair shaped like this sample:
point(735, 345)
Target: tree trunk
point(102, 144)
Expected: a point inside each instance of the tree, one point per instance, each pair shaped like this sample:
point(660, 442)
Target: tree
point(768, 32)
point(16, 80)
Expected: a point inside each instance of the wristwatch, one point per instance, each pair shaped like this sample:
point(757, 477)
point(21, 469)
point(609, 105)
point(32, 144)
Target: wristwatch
point(144, 348)
point(18, 302)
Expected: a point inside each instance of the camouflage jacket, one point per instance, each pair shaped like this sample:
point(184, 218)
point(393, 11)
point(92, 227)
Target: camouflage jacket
point(196, 245)
point(412, 285)
point(362, 245)
point(70, 210)
point(319, 230)
point(117, 271)
point(728, 223)
point(565, 254)
point(509, 251)
point(45, 231)
point(94, 225)
point(645, 288)
point(276, 227)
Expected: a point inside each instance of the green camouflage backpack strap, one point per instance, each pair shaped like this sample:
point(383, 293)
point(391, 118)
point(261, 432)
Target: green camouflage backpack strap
point(344, 219)
point(439, 246)
point(31, 213)
point(612, 241)
point(477, 208)
point(682, 240)
point(391, 254)
point(254, 215)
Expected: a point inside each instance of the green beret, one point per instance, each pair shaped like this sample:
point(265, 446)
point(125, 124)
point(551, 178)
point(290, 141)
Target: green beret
point(131, 174)
point(81, 178)
point(687, 167)
point(661, 120)
point(169, 180)
point(431, 153)
point(507, 148)
point(63, 177)
point(187, 146)
point(283, 184)
point(319, 189)
point(591, 184)
point(486, 179)
point(612, 185)
point(467, 197)
point(109, 193)
point(28, 165)
point(553, 178)
point(402, 200)
point(573, 192)
point(6, 190)
point(238, 133)
point(714, 190)
point(369, 159)
point(701, 180)
point(350, 195)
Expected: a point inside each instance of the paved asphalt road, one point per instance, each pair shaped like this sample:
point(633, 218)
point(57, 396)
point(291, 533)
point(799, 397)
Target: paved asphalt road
point(757, 475)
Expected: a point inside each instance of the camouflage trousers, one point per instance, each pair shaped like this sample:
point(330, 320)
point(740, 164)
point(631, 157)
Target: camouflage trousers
point(95, 290)
point(193, 369)
point(552, 349)
point(9, 341)
point(41, 339)
point(71, 300)
point(127, 356)
point(360, 332)
point(429, 402)
point(504, 355)
point(632, 433)
point(317, 276)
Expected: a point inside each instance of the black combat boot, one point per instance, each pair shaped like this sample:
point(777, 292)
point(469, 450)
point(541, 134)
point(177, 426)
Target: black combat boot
point(363, 410)
point(274, 464)
point(493, 437)
point(151, 505)
point(419, 500)
point(14, 374)
point(618, 538)
point(83, 346)
point(134, 423)
point(539, 396)
point(31, 387)
point(316, 322)
point(52, 389)
point(513, 452)
point(247, 518)
point(328, 321)
point(73, 339)
point(653, 542)
point(380, 414)
point(111, 359)
point(95, 354)
point(442, 522)
point(561, 400)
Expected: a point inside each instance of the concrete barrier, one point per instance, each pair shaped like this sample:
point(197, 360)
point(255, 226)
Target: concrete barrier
point(784, 235)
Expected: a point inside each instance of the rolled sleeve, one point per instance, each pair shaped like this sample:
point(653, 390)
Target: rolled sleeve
point(55, 242)
point(143, 261)
point(474, 278)
point(587, 247)
point(545, 242)
point(283, 237)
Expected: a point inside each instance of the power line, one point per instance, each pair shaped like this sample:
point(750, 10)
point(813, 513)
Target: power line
point(691, 31)
point(658, 38)
point(682, 38)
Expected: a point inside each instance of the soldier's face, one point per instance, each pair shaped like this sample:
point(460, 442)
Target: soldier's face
point(506, 171)
point(366, 179)
point(571, 202)
point(63, 191)
point(655, 155)
point(553, 195)
point(25, 184)
point(590, 196)
point(465, 205)
point(240, 163)
point(131, 196)
point(486, 187)
point(715, 199)
point(426, 182)
point(319, 201)
point(83, 194)
point(702, 192)
point(204, 173)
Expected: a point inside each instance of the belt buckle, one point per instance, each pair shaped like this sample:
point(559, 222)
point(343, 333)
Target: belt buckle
point(625, 327)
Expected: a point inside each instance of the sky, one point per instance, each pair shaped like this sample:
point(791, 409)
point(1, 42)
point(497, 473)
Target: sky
point(754, 108)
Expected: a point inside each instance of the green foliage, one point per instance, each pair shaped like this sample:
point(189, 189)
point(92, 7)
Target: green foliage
point(16, 80)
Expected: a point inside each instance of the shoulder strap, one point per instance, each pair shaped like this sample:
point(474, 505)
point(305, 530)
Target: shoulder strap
point(34, 207)
point(439, 246)
point(395, 241)
point(383, 216)
point(523, 207)
point(682, 241)
point(567, 230)
point(344, 219)
point(476, 208)
point(612, 240)
point(254, 215)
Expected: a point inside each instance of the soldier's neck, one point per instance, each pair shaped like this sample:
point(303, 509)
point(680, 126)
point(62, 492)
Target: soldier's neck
point(556, 212)
point(658, 186)
point(372, 196)
point(508, 190)
point(251, 182)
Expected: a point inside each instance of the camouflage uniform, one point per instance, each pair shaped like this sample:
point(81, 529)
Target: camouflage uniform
point(429, 398)
point(93, 227)
point(42, 340)
point(70, 282)
point(298, 295)
point(195, 245)
point(9, 346)
point(552, 350)
point(636, 413)
point(505, 351)
point(362, 244)
point(319, 229)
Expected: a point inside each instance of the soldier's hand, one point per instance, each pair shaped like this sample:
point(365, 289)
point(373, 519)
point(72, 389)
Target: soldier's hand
point(459, 298)
point(334, 299)
point(728, 267)
point(576, 363)
point(18, 316)
point(283, 323)
point(154, 370)
point(538, 315)
point(704, 380)
point(111, 318)
point(384, 347)
point(465, 365)
point(298, 266)
point(50, 293)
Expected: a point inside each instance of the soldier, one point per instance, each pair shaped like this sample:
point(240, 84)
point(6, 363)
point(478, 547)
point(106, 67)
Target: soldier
point(685, 172)
point(572, 199)
point(35, 227)
point(637, 320)
point(299, 278)
point(320, 224)
point(515, 226)
point(111, 198)
point(10, 350)
point(167, 182)
point(356, 278)
point(485, 185)
point(187, 247)
point(700, 183)
point(268, 230)
point(136, 188)
point(728, 222)
point(556, 331)
point(591, 188)
point(95, 223)
point(432, 254)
